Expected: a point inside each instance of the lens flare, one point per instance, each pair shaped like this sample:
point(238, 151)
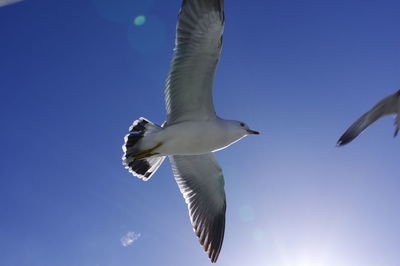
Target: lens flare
point(149, 38)
point(139, 20)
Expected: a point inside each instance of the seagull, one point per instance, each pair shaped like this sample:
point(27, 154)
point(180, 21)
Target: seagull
point(192, 131)
point(387, 106)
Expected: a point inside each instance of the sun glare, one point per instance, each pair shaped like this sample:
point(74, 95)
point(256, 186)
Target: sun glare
point(140, 20)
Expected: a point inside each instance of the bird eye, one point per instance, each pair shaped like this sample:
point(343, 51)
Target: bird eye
point(242, 124)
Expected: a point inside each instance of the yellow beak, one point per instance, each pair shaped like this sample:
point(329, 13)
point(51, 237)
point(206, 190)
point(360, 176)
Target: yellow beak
point(253, 132)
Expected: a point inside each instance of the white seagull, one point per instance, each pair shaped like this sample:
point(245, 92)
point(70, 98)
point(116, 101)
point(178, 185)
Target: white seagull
point(389, 105)
point(192, 131)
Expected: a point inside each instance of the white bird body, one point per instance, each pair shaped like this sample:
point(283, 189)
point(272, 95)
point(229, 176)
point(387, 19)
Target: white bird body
point(194, 137)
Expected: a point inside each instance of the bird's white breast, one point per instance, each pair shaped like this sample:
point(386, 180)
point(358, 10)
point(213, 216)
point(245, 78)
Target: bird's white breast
point(195, 137)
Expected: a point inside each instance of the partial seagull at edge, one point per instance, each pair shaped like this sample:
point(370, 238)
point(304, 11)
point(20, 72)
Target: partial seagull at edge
point(8, 2)
point(389, 105)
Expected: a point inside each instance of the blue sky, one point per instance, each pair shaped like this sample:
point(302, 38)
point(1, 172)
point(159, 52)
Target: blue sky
point(75, 74)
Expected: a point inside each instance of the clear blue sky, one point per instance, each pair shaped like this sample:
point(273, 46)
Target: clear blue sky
point(75, 74)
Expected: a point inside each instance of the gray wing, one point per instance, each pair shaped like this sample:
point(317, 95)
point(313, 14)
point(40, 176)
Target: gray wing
point(188, 92)
point(8, 2)
point(201, 182)
point(385, 107)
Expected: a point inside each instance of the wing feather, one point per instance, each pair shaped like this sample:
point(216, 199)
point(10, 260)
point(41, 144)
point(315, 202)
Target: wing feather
point(201, 182)
point(188, 92)
point(386, 106)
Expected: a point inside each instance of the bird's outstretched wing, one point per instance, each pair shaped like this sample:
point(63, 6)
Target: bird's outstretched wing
point(201, 182)
point(387, 106)
point(188, 92)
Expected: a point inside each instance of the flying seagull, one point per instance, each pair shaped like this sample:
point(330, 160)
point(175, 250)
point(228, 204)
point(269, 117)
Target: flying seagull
point(387, 106)
point(193, 131)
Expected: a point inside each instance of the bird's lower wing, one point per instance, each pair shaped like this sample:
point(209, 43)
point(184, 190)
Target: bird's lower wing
point(385, 107)
point(201, 182)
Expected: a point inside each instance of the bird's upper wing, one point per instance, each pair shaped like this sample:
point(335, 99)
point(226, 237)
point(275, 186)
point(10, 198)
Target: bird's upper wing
point(386, 106)
point(201, 182)
point(188, 92)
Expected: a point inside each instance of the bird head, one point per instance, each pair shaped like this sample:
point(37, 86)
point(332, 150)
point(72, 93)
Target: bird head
point(245, 128)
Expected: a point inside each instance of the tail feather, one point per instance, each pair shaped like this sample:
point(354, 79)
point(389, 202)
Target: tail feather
point(146, 167)
point(143, 125)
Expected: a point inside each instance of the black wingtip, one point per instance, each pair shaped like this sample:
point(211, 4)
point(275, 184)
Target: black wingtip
point(345, 139)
